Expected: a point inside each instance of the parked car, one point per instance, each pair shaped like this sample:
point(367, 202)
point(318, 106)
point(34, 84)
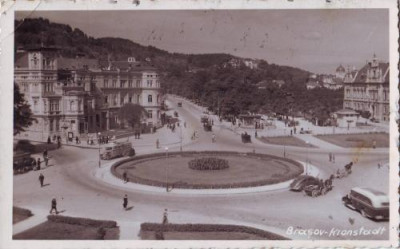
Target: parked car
point(179, 104)
point(302, 181)
point(23, 162)
point(370, 203)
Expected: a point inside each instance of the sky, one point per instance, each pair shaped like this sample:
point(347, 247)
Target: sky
point(314, 40)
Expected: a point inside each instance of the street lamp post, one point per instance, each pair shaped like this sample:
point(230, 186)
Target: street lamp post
point(98, 136)
point(166, 168)
point(181, 136)
point(284, 146)
point(307, 157)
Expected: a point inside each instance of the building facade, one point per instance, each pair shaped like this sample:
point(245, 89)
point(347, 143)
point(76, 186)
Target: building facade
point(367, 90)
point(73, 97)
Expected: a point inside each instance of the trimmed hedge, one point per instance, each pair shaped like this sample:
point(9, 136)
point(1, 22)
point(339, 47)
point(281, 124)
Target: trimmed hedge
point(185, 185)
point(161, 228)
point(22, 211)
point(208, 163)
point(82, 221)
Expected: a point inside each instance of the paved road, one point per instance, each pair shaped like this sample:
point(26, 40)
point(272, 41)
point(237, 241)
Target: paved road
point(79, 193)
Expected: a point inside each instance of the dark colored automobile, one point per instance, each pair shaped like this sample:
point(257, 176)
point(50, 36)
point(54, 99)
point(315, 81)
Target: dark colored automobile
point(370, 203)
point(302, 181)
point(23, 162)
point(179, 104)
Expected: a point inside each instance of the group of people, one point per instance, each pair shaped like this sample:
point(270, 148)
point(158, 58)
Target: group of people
point(55, 138)
point(100, 140)
point(171, 126)
point(37, 164)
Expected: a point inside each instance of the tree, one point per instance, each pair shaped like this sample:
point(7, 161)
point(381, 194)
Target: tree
point(22, 112)
point(132, 114)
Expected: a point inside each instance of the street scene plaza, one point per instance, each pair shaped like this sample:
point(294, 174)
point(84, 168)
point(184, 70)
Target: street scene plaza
point(118, 141)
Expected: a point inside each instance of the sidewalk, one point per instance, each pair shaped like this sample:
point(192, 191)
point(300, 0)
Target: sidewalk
point(32, 221)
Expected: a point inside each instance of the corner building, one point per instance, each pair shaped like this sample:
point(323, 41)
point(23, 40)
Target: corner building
point(75, 96)
point(367, 90)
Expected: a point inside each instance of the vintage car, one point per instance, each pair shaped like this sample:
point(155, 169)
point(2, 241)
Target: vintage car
point(302, 181)
point(23, 162)
point(370, 203)
point(116, 149)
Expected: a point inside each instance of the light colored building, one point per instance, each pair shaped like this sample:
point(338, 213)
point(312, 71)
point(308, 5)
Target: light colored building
point(346, 118)
point(367, 90)
point(72, 97)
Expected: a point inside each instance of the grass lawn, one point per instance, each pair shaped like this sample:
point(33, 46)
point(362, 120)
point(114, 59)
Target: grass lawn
point(285, 140)
point(69, 229)
point(203, 236)
point(154, 231)
point(243, 171)
point(20, 214)
point(365, 140)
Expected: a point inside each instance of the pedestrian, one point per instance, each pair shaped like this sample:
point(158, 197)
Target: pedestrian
point(76, 140)
point(157, 143)
point(46, 161)
point(330, 157)
point(165, 217)
point(59, 143)
point(125, 176)
point(41, 179)
point(255, 134)
point(48, 140)
point(291, 132)
point(125, 203)
point(38, 163)
point(53, 206)
point(45, 153)
point(333, 158)
point(294, 130)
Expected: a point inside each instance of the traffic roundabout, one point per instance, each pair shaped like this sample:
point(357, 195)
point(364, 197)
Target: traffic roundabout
point(232, 170)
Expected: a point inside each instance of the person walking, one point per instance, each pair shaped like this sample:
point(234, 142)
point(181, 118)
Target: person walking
point(330, 157)
point(45, 153)
point(165, 217)
point(125, 176)
point(41, 179)
point(48, 140)
point(46, 160)
point(38, 163)
point(125, 202)
point(157, 144)
point(53, 206)
point(333, 158)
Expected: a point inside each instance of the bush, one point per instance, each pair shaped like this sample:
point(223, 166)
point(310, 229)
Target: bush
point(82, 221)
point(208, 163)
point(22, 211)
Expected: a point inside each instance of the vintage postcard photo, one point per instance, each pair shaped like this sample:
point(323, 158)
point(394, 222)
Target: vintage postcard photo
point(192, 124)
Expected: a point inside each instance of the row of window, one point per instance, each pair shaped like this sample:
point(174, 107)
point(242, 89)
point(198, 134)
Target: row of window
point(114, 99)
point(128, 84)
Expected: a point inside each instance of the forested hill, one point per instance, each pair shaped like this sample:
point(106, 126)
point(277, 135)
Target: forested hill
point(206, 77)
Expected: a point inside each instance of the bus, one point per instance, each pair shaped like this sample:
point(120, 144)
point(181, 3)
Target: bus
point(116, 149)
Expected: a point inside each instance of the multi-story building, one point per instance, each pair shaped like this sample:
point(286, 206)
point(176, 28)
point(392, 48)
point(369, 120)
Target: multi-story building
point(367, 90)
point(70, 97)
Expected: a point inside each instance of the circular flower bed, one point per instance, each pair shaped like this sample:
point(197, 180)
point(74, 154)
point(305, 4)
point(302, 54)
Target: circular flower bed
point(208, 163)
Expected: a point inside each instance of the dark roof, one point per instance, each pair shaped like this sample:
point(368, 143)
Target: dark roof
point(76, 63)
point(361, 76)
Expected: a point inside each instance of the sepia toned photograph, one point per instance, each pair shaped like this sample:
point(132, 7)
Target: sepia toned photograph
point(202, 125)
